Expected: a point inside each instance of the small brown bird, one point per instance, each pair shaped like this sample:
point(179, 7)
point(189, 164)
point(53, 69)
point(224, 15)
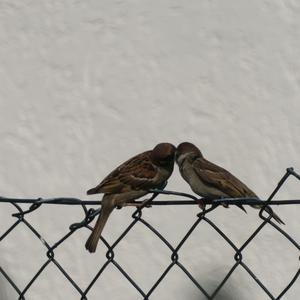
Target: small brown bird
point(209, 180)
point(131, 180)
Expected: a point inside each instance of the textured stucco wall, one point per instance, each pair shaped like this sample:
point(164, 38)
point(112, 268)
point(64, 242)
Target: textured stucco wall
point(87, 84)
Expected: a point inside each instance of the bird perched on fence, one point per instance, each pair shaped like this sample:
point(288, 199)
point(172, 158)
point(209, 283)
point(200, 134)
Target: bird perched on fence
point(131, 180)
point(209, 180)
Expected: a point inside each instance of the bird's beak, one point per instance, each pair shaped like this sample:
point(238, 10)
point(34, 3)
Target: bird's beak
point(176, 156)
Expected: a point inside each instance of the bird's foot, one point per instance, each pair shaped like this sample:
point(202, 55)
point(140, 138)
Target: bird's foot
point(201, 203)
point(139, 204)
point(145, 203)
point(226, 205)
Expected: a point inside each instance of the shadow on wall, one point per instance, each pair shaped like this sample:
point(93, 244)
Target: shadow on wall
point(227, 292)
point(223, 294)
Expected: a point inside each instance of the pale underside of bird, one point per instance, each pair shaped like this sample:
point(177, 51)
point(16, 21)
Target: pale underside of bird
point(131, 180)
point(211, 181)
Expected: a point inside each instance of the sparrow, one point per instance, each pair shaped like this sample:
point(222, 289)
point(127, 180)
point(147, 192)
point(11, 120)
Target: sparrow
point(209, 180)
point(129, 181)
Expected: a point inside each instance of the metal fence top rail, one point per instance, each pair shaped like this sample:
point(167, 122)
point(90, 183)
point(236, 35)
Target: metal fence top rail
point(77, 201)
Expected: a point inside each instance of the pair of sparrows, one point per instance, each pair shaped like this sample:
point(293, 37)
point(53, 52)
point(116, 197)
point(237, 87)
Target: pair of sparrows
point(151, 169)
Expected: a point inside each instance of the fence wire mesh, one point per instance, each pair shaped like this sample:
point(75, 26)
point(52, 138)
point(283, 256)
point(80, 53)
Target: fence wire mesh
point(137, 216)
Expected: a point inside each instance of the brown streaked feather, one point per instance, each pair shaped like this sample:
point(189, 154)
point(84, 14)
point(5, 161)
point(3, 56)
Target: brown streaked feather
point(224, 181)
point(137, 172)
point(221, 179)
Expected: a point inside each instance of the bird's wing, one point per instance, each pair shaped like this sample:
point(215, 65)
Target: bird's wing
point(136, 173)
point(221, 179)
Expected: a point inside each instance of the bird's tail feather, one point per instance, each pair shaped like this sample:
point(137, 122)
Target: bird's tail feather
point(242, 207)
point(275, 216)
point(270, 211)
point(92, 241)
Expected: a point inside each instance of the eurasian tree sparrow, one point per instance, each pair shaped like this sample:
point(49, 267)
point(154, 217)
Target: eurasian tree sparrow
point(209, 180)
point(131, 180)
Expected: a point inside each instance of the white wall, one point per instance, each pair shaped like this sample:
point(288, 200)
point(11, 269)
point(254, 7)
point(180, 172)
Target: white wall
point(87, 84)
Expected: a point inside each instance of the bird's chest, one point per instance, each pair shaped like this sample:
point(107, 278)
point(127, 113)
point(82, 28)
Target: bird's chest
point(197, 185)
point(162, 175)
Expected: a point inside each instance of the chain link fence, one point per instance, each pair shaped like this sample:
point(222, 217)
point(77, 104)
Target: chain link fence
point(137, 217)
